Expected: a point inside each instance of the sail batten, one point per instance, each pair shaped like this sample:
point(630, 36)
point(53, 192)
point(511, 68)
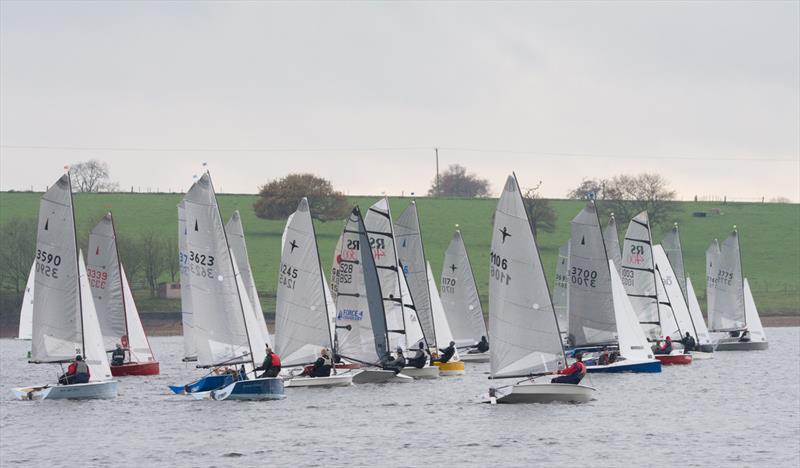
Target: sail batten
point(639, 276)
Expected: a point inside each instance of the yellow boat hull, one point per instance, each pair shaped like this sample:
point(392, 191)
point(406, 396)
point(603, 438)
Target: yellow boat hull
point(451, 368)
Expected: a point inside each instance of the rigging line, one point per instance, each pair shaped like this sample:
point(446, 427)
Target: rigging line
point(614, 156)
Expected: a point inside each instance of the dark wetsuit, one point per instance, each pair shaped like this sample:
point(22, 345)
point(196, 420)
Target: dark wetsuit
point(271, 366)
point(118, 357)
point(447, 354)
point(419, 360)
point(395, 365)
point(321, 368)
point(482, 346)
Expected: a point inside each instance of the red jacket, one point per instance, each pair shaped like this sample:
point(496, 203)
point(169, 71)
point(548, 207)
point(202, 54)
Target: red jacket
point(577, 366)
point(73, 368)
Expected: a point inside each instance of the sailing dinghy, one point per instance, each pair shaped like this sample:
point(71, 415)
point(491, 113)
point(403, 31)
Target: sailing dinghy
point(64, 318)
point(732, 315)
point(600, 312)
point(228, 337)
point(522, 323)
point(113, 300)
point(302, 320)
point(26, 311)
point(361, 333)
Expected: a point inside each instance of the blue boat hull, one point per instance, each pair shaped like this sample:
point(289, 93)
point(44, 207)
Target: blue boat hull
point(255, 389)
point(639, 367)
point(203, 384)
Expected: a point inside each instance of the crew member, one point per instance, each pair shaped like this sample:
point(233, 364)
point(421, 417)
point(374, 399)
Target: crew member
point(482, 345)
point(447, 353)
point(77, 372)
point(666, 346)
point(397, 364)
point(322, 366)
point(118, 356)
point(572, 374)
point(271, 365)
point(420, 357)
point(689, 344)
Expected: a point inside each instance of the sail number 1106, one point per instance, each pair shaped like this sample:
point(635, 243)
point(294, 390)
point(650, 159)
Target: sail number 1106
point(498, 266)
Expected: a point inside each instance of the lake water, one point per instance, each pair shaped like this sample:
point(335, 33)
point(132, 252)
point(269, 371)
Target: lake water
point(739, 409)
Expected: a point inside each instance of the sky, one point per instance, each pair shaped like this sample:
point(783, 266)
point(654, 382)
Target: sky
point(706, 94)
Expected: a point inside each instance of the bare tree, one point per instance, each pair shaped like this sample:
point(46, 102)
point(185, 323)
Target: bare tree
point(541, 214)
point(455, 182)
point(627, 195)
point(92, 176)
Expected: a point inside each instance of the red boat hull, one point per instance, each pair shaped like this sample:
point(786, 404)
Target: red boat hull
point(349, 365)
point(135, 368)
point(674, 359)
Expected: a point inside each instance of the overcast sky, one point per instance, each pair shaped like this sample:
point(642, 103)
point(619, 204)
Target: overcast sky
point(707, 94)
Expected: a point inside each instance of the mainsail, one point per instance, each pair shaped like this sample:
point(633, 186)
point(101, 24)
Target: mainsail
point(725, 289)
point(360, 318)
point(302, 322)
point(632, 341)
point(591, 309)
point(638, 274)
point(611, 239)
point(459, 295)
point(411, 255)
point(443, 334)
point(235, 233)
point(187, 317)
point(683, 321)
point(522, 324)
point(561, 288)
point(672, 247)
point(26, 311)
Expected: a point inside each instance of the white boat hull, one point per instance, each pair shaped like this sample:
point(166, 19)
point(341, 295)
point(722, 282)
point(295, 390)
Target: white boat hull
point(475, 357)
point(380, 376)
point(88, 391)
point(427, 372)
point(337, 380)
point(733, 344)
point(532, 392)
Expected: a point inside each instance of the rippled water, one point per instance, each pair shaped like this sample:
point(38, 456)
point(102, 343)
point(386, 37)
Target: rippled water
point(739, 409)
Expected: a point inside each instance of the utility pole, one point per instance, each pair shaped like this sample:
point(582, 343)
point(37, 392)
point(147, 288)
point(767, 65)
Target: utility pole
point(438, 189)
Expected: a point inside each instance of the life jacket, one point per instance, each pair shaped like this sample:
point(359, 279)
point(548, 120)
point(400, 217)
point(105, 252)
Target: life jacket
point(581, 367)
point(326, 361)
point(276, 360)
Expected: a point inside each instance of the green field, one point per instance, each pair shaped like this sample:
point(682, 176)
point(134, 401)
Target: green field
point(770, 236)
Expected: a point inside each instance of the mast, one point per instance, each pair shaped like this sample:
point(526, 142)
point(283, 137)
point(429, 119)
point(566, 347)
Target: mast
point(77, 263)
point(322, 280)
point(541, 265)
point(683, 288)
point(741, 270)
point(122, 286)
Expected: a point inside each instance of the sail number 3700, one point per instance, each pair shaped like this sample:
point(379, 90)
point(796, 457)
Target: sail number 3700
point(583, 277)
point(497, 269)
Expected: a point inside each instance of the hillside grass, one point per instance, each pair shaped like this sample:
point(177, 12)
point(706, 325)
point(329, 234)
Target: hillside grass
point(769, 236)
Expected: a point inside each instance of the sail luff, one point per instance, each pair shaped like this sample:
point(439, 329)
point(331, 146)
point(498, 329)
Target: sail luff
point(459, 294)
point(187, 315)
point(26, 311)
point(75, 238)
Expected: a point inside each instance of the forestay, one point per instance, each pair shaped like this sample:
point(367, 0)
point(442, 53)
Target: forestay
point(218, 309)
point(561, 288)
point(378, 222)
point(522, 324)
point(26, 311)
point(591, 310)
point(638, 274)
point(302, 323)
point(360, 318)
point(725, 287)
point(674, 251)
point(235, 232)
point(411, 255)
point(459, 295)
point(187, 317)
point(611, 239)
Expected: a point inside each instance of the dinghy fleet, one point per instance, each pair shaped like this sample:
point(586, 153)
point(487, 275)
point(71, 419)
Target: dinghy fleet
point(381, 318)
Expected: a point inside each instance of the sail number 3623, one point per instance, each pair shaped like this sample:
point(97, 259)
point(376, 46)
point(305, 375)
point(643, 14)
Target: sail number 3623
point(497, 269)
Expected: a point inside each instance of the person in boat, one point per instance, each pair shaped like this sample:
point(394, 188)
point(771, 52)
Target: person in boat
point(745, 337)
point(271, 365)
point(446, 354)
point(604, 358)
point(242, 373)
point(420, 358)
point(397, 364)
point(77, 372)
point(118, 356)
point(689, 344)
point(321, 367)
point(481, 347)
point(666, 346)
point(572, 374)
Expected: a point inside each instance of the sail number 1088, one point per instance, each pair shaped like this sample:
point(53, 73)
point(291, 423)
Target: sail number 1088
point(498, 266)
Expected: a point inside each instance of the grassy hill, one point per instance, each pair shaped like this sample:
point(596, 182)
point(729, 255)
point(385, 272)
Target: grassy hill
point(770, 236)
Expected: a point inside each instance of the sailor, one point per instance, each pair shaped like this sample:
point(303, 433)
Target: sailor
point(242, 373)
point(118, 356)
point(420, 357)
point(397, 364)
point(483, 345)
point(271, 365)
point(77, 372)
point(745, 337)
point(689, 344)
point(603, 360)
point(322, 366)
point(447, 353)
point(572, 374)
point(666, 346)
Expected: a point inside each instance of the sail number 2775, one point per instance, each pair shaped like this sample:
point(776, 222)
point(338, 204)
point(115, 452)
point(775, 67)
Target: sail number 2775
point(497, 269)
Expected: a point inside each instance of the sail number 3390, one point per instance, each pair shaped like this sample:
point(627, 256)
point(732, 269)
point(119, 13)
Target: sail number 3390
point(497, 269)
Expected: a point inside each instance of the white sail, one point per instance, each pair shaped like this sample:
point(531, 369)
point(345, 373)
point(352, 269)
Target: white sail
point(105, 280)
point(630, 336)
point(26, 311)
point(94, 353)
point(591, 309)
point(411, 255)
point(414, 334)
point(302, 322)
point(443, 334)
point(703, 337)
point(522, 324)
point(57, 328)
point(668, 319)
point(235, 232)
point(187, 317)
point(335, 268)
point(381, 237)
point(218, 308)
point(255, 336)
point(360, 318)
point(561, 288)
point(138, 344)
point(459, 295)
point(754, 327)
point(331, 308)
point(683, 319)
point(674, 251)
point(638, 274)
point(725, 289)
point(611, 239)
